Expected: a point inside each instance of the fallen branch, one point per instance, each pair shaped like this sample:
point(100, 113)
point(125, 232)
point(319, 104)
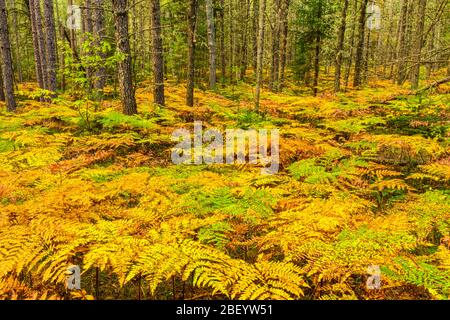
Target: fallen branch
point(434, 84)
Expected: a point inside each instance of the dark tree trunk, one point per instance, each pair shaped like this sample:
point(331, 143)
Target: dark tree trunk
point(157, 54)
point(50, 45)
point(360, 47)
point(124, 66)
point(340, 48)
point(6, 61)
point(192, 22)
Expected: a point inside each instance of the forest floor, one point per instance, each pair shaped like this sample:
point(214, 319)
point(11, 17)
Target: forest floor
point(364, 181)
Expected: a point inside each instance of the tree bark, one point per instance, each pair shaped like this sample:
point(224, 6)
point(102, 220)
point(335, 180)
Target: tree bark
point(36, 49)
point(275, 47)
point(41, 41)
point(125, 76)
point(6, 61)
point(2, 92)
point(340, 48)
point(352, 49)
point(360, 48)
point(98, 26)
point(222, 41)
point(255, 33)
point(211, 43)
point(317, 53)
point(415, 76)
point(260, 55)
point(50, 45)
point(284, 40)
point(157, 54)
point(401, 56)
point(192, 22)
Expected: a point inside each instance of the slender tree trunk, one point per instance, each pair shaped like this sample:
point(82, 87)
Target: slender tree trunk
point(429, 65)
point(98, 25)
point(418, 44)
point(352, 49)
point(50, 45)
point(192, 22)
point(317, 54)
point(275, 47)
point(211, 43)
point(340, 48)
point(222, 40)
point(18, 50)
point(260, 55)
point(366, 56)
point(231, 57)
point(360, 48)
point(401, 56)
point(41, 41)
point(36, 50)
point(157, 54)
point(125, 76)
point(6, 61)
point(244, 45)
point(284, 40)
point(255, 33)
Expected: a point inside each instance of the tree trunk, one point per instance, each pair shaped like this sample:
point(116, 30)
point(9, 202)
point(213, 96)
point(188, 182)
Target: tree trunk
point(98, 25)
point(260, 55)
point(401, 56)
point(418, 45)
point(50, 45)
point(192, 22)
point(222, 40)
point(2, 92)
point(317, 54)
point(211, 43)
point(283, 48)
point(18, 49)
point(36, 49)
point(275, 47)
point(352, 49)
point(124, 66)
point(244, 45)
point(157, 54)
point(360, 48)
point(6, 61)
point(340, 48)
point(255, 33)
point(41, 41)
